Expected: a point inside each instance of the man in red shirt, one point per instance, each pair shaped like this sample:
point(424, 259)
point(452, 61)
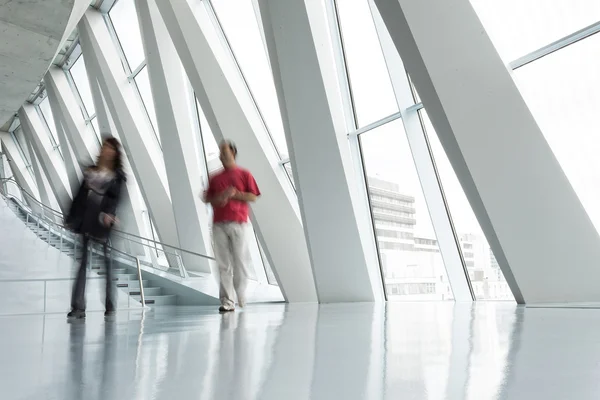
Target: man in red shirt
point(229, 193)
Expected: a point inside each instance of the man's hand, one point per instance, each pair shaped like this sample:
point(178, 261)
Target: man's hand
point(222, 199)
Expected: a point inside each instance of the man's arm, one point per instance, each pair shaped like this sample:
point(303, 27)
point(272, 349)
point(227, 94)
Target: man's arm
point(245, 196)
point(251, 192)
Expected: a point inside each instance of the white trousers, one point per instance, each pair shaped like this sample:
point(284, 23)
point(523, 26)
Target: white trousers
point(233, 259)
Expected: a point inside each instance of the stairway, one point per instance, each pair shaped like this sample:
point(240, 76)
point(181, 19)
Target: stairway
point(125, 275)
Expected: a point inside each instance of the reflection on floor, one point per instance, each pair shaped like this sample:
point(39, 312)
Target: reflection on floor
point(353, 351)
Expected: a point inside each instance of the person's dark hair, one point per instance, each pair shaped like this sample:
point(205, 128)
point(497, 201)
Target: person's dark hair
point(116, 145)
point(231, 146)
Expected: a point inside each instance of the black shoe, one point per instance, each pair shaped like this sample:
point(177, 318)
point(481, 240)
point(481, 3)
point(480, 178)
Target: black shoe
point(109, 314)
point(225, 309)
point(76, 314)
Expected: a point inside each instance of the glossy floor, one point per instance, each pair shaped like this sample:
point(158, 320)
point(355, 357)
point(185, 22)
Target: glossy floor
point(354, 351)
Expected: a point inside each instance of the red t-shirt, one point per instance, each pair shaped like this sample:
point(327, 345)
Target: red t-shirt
point(234, 210)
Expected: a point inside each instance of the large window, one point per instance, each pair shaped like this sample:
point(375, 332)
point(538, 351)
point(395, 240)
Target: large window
point(82, 84)
point(211, 148)
point(124, 18)
point(412, 265)
point(372, 91)
point(561, 90)
point(142, 80)
point(486, 277)
point(518, 27)
point(238, 20)
point(48, 118)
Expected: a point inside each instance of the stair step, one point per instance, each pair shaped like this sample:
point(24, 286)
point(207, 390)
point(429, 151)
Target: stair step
point(163, 300)
point(131, 284)
point(152, 291)
point(116, 271)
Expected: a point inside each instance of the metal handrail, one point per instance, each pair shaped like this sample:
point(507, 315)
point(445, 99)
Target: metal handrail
point(67, 233)
point(182, 270)
point(114, 230)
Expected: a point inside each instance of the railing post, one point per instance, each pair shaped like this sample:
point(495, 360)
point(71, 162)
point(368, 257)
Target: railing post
point(139, 270)
point(182, 272)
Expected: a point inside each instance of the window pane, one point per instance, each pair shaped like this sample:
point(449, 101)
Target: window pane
point(142, 81)
point(290, 174)
point(518, 27)
point(49, 119)
point(124, 18)
point(412, 265)
point(22, 145)
point(211, 148)
point(240, 25)
point(486, 277)
point(562, 93)
point(96, 128)
point(372, 90)
point(80, 77)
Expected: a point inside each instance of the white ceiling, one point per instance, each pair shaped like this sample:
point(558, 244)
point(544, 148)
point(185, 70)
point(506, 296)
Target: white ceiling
point(31, 34)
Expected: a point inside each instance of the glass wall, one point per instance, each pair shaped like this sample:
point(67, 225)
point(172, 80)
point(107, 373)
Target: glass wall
point(142, 81)
point(50, 126)
point(124, 19)
point(239, 23)
point(484, 272)
point(411, 262)
point(518, 27)
point(372, 92)
point(82, 90)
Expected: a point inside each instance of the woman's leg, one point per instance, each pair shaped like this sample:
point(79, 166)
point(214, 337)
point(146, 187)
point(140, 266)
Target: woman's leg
point(78, 295)
point(110, 300)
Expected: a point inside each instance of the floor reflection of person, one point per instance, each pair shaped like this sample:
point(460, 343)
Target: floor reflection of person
point(229, 192)
point(92, 214)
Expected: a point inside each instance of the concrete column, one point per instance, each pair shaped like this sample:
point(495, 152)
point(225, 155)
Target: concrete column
point(50, 160)
point(103, 64)
point(294, 30)
point(540, 234)
point(79, 134)
point(175, 124)
point(18, 165)
point(73, 168)
point(231, 113)
point(46, 196)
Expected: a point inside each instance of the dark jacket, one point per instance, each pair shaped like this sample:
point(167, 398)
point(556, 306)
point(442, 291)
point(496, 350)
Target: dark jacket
point(84, 217)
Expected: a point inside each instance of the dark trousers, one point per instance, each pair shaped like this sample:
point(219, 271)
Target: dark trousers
point(78, 296)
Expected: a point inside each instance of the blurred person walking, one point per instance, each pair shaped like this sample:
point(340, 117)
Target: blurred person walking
point(92, 215)
point(229, 192)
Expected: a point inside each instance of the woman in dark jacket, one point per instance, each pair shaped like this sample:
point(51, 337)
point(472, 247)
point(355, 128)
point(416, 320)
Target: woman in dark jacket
point(92, 214)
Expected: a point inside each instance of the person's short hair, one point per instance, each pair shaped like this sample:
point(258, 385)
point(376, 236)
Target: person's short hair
point(231, 146)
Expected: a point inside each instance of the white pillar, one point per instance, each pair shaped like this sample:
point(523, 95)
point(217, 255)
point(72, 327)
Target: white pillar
point(231, 114)
point(171, 96)
point(79, 134)
point(294, 31)
point(103, 63)
point(540, 234)
point(50, 160)
point(18, 165)
point(73, 168)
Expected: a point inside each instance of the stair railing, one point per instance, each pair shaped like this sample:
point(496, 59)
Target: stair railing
point(50, 215)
